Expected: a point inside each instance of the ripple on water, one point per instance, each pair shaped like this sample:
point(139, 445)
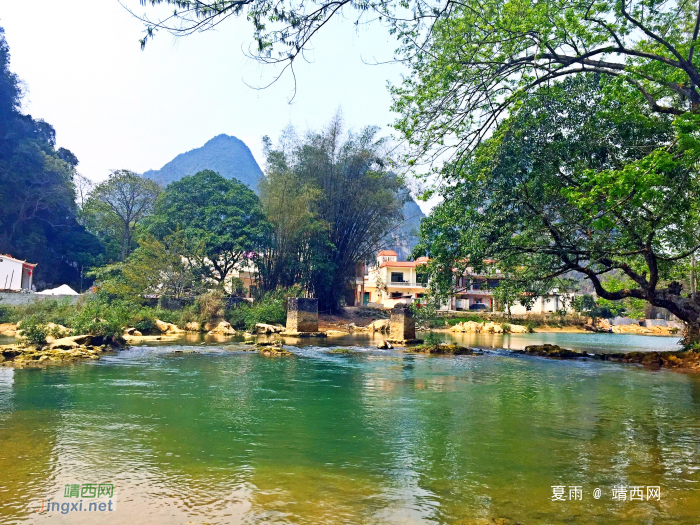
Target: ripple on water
point(369, 437)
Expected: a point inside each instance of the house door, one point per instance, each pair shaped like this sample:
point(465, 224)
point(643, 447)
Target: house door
point(365, 299)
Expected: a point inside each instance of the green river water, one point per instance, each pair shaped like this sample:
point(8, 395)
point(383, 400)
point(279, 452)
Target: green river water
point(225, 436)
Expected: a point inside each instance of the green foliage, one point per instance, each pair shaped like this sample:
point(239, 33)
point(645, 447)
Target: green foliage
point(478, 52)
point(38, 215)
point(44, 311)
point(211, 306)
point(574, 183)
point(33, 330)
point(5, 313)
point(101, 314)
point(424, 314)
point(219, 223)
point(432, 338)
point(270, 308)
point(115, 209)
point(154, 268)
point(332, 201)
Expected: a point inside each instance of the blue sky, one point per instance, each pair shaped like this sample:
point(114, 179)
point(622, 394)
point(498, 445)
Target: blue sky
point(116, 106)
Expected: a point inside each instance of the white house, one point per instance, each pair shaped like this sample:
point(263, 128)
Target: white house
point(391, 281)
point(15, 275)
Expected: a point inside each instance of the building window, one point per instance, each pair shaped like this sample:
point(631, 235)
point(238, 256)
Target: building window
point(397, 277)
point(478, 301)
point(476, 285)
point(396, 295)
point(493, 283)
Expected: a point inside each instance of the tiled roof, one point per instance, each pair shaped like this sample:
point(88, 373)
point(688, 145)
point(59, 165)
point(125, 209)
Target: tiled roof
point(402, 264)
point(4, 256)
point(387, 253)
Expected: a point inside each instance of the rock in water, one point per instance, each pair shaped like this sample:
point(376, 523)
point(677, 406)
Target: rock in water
point(223, 328)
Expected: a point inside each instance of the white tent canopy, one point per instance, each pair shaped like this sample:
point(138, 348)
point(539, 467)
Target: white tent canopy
point(64, 289)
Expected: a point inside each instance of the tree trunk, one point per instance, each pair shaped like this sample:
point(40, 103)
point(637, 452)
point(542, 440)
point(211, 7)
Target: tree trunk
point(125, 241)
point(691, 334)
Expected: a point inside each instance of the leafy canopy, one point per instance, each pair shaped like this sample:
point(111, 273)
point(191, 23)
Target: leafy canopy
point(37, 194)
point(219, 222)
point(116, 207)
point(345, 201)
point(577, 181)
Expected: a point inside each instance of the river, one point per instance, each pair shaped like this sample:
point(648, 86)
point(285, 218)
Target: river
point(206, 433)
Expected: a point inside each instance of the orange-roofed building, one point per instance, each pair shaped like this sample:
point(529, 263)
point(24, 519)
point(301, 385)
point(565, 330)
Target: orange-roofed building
point(390, 281)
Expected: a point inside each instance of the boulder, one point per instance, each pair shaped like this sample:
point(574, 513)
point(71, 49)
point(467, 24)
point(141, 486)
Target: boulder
point(518, 329)
point(223, 328)
point(58, 329)
point(272, 351)
point(72, 342)
point(133, 332)
point(467, 327)
point(167, 328)
point(631, 329)
point(385, 345)
point(262, 328)
point(380, 325)
point(336, 333)
point(269, 344)
point(603, 325)
point(193, 326)
point(8, 329)
point(548, 350)
point(491, 328)
point(442, 349)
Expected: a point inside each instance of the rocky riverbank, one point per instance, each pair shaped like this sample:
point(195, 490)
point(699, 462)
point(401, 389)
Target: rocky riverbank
point(58, 351)
point(682, 360)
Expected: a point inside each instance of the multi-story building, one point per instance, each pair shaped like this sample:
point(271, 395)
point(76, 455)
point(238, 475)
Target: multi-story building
point(391, 281)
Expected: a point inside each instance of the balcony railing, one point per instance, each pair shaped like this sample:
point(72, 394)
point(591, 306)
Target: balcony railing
point(406, 284)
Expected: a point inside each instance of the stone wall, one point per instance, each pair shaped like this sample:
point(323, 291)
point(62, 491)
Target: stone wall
point(402, 326)
point(302, 314)
point(18, 299)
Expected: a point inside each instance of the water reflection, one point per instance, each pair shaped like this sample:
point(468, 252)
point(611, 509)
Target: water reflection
point(374, 437)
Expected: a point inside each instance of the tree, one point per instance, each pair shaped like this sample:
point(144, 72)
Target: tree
point(219, 222)
point(116, 207)
point(576, 182)
point(37, 193)
point(288, 206)
point(353, 198)
point(480, 60)
point(153, 268)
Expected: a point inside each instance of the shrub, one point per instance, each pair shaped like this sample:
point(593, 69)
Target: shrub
point(505, 327)
point(432, 339)
point(33, 330)
point(5, 313)
point(268, 309)
point(103, 318)
point(211, 306)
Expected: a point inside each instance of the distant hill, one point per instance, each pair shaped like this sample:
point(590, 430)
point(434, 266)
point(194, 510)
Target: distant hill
point(231, 158)
point(226, 155)
point(405, 237)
